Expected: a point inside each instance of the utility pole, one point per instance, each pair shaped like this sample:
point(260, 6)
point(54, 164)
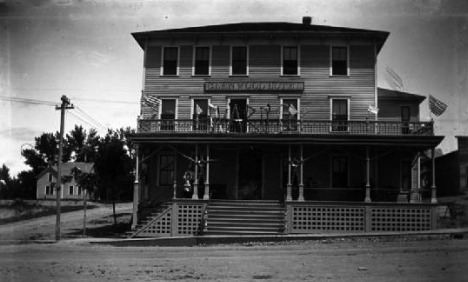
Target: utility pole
point(64, 106)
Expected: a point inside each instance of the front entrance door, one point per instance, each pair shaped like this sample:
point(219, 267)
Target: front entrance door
point(238, 117)
point(250, 174)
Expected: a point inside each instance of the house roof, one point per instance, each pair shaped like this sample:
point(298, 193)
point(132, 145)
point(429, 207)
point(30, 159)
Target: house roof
point(388, 94)
point(67, 168)
point(259, 28)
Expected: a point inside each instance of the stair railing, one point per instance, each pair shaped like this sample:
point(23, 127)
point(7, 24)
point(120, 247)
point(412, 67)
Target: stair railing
point(204, 220)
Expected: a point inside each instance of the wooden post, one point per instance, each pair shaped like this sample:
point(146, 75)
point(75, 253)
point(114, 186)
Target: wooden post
point(136, 192)
point(206, 196)
point(368, 197)
point(433, 187)
point(301, 179)
point(84, 212)
point(289, 185)
point(195, 182)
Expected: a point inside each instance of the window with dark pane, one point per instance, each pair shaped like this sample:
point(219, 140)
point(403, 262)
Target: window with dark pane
point(202, 60)
point(290, 60)
point(200, 114)
point(239, 60)
point(166, 170)
point(339, 61)
point(168, 109)
point(290, 112)
point(170, 61)
point(340, 115)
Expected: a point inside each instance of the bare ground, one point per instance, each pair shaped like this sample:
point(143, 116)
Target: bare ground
point(348, 260)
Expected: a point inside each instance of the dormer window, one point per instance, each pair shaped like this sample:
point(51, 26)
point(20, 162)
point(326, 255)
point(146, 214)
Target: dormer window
point(170, 60)
point(290, 56)
point(202, 61)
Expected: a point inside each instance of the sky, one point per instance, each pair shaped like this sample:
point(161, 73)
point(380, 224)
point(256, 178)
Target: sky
point(84, 49)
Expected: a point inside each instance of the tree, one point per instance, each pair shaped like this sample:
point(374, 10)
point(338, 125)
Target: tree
point(114, 168)
point(87, 182)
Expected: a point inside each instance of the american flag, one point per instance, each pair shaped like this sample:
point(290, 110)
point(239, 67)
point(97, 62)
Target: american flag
point(436, 106)
point(151, 102)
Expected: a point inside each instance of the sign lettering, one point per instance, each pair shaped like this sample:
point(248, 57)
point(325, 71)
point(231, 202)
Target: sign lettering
point(253, 86)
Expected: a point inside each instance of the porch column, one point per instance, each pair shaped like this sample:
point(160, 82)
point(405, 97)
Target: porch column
point(206, 196)
point(433, 187)
point(368, 197)
point(195, 182)
point(415, 196)
point(301, 179)
point(136, 190)
point(289, 185)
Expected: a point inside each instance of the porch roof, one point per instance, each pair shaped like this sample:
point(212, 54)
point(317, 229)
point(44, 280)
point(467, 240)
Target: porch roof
point(423, 142)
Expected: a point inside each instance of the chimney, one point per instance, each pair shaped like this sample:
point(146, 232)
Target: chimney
point(306, 20)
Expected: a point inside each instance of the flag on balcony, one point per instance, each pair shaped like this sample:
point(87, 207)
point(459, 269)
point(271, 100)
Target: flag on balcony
point(373, 109)
point(436, 106)
point(213, 110)
point(292, 110)
point(151, 102)
point(199, 110)
point(393, 79)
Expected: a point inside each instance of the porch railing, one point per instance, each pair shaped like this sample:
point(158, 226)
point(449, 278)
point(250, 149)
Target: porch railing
point(262, 127)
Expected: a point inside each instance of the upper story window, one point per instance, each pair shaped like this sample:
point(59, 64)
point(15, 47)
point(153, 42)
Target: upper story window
point(339, 60)
point(202, 61)
point(289, 115)
point(239, 60)
point(168, 112)
point(70, 190)
point(339, 114)
point(50, 177)
point(170, 61)
point(290, 62)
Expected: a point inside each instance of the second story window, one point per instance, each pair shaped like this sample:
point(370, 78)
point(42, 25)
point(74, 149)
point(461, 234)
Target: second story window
point(200, 114)
point(170, 60)
point(290, 110)
point(339, 61)
point(339, 114)
point(202, 61)
point(168, 114)
point(290, 60)
point(239, 60)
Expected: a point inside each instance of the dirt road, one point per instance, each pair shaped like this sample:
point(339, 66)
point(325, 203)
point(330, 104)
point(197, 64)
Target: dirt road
point(43, 228)
point(363, 260)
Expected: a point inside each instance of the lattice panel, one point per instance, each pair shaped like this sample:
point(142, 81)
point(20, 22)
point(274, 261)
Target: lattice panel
point(160, 227)
point(310, 219)
point(400, 219)
point(189, 219)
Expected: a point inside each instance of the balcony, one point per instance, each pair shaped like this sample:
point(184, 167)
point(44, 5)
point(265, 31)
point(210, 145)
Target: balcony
point(271, 127)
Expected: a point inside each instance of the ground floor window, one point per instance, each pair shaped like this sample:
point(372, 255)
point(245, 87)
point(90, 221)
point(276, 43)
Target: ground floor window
point(166, 169)
point(405, 175)
point(49, 190)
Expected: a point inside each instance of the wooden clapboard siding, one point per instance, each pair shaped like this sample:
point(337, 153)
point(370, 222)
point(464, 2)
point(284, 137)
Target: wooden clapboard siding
point(264, 61)
point(220, 59)
point(265, 64)
point(390, 110)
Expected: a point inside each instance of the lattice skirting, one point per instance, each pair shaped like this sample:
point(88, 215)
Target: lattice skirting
point(316, 219)
point(310, 219)
point(189, 217)
point(400, 219)
point(159, 228)
point(179, 220)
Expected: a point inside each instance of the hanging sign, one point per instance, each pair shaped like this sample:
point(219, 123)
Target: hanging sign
point(254, 86)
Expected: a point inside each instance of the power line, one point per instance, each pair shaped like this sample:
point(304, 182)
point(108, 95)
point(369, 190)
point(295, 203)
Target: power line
point(90, 118)
point(27, 101)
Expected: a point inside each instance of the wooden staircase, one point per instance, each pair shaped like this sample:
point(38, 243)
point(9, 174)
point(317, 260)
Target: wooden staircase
point(245, 217)
point(149, 216)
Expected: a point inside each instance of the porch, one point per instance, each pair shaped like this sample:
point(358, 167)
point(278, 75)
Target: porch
point(268, 127)
point(189, 218)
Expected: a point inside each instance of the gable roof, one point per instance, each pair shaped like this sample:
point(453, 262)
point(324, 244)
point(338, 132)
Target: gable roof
point(258, 28)
point(67, 168)
point(388, 94)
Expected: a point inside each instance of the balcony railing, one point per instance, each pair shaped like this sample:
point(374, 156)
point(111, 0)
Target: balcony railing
point(262, 127)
